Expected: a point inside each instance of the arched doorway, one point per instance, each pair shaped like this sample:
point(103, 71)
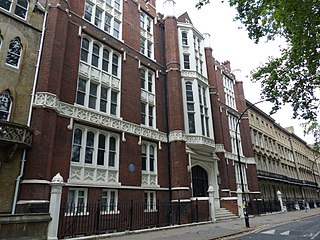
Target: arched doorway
point(199, 182)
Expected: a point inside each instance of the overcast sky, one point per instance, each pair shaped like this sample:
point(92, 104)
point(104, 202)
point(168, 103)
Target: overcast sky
point(230, 41)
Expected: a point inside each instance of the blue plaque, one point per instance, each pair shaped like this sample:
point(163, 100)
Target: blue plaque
point(131, 167)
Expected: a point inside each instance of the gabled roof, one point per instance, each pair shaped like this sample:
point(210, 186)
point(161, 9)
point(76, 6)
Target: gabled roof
point(184, 18)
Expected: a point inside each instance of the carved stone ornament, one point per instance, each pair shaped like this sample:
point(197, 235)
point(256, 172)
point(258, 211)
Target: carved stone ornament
point(49, 100)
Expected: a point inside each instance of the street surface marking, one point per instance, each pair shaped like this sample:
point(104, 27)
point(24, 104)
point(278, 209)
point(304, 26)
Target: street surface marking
point(286, 233)
point(314, 236)
point(269, 232)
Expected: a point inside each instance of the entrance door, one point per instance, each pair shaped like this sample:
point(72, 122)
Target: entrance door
point(199, 182)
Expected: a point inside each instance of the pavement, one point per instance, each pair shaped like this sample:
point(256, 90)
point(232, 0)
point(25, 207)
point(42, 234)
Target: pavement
point(210, 230)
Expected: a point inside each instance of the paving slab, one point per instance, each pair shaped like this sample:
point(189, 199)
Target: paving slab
point(209, 230)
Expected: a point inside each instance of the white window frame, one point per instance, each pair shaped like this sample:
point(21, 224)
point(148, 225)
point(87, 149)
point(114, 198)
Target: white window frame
point(184, 38)
point(204, 111)
point(191, 112)
point(24, 9)
point(148, 98)
point(110, 13)
point(83, 146)
point(150, 201)
point(106, 201)
point(244, 176)
point(74, 205)
point(110, 103)
point(228, 84)
point(146, 35)
point(10, 2)
point(186, 61)
point(112, 53)
point(232, 122)
point(149, 175)
point(108, 66)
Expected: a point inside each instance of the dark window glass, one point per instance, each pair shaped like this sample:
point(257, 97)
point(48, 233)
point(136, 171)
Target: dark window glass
point(112, 152)
point(105, 60)
point(151, 159)
point(186, 61)
point(143, 113)
point(88, 11)
point(114, 101)
point(81, 92)
point(107, 23)
point(84, 50)
point(144, 156)
point(101, 149)
point(21, 8)
point(95, 55)
point(184, 38)
point(115, 62)
point(5, 105)
point(93, 96)
point(14, 53)
point(6, 4)
point(89, 148)
point(103, 99)
point(143, 79)
point(77, 137)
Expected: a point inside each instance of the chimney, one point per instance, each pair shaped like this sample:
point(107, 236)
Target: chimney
point(207, 40)
point(168, 8)
point(227, 64)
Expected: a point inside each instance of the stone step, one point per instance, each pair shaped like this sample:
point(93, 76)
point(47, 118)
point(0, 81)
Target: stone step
point(223, 214)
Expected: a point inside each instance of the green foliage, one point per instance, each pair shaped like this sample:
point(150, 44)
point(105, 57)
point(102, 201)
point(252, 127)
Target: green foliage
point(294, 77)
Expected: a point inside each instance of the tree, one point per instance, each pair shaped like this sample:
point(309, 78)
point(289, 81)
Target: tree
point(294, 77)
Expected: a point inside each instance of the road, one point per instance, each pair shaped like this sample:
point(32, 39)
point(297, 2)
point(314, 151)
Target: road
point(304, 229)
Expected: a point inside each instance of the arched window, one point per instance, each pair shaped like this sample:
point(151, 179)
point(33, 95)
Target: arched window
point(76, 147)
point(22, 8)
point(95, 55)
point(89, 148)
point(115, 64)
point(14, 53)
point(199, 182)
point(105, 60)
point(5, 106)
point(84, 49)
point(112, 152)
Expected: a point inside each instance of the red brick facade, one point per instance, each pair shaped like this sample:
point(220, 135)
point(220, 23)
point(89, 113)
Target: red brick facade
point(176, 153)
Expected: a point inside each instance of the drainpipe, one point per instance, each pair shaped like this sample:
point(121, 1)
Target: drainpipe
point(23, 159)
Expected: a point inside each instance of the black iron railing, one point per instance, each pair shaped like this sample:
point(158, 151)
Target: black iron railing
point(98, 218)
point(262, 206)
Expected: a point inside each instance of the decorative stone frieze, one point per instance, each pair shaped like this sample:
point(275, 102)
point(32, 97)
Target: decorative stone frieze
point(234, 157)
point(193, 74)
point(220, 148)
point(49, 100)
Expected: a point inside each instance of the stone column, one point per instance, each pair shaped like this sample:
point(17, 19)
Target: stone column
point(240, 203)
point(54, 208)
point(279, 195)
point(212, 203)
